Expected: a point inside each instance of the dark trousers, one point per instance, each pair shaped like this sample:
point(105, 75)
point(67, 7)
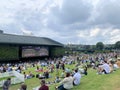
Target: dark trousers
point(104, 72)
point(61, 87)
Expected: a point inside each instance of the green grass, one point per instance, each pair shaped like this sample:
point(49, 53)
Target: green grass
point(100, 82)
point(90, 82)
point(6, 78)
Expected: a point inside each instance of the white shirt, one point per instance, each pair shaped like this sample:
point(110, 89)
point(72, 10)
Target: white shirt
point(67, 82)
point(106, 67)
point(77, 78)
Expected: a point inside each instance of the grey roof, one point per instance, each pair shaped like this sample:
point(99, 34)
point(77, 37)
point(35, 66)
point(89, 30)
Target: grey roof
point(27, 40)
point(1, 31)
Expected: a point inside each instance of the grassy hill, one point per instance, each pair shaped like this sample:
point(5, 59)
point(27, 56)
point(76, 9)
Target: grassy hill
point(92, 81)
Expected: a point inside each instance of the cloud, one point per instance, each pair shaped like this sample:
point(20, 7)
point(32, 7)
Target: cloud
point(94, 32)
point(75, 21)
point(108, 12)
point(72, 13)
point(107, 35)
point(26, 32)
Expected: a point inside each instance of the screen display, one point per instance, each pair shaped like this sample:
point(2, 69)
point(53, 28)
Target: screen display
point(33, 51)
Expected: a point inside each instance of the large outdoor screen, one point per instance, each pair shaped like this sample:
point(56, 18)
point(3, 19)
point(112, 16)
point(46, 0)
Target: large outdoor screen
point(33, 51)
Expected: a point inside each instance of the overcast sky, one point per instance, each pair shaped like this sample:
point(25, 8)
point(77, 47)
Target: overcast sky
point(66, 21)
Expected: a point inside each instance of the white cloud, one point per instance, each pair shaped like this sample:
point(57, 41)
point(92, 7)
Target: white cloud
point(94, 32)
point(82, 34)
point(88, 33)
point(26, 32)
point(114, 32)
point(106, 35)
point(76, 21)
point(45, 32)
point(6, 19)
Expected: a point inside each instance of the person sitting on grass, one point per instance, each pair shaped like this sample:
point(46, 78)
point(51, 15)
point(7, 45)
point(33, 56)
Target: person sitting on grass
point(29, 75)
point(25, 76)
point(104, 68)
point(43, 85)
point(23, 87)
point(46, 74)
point(63, 74)
point(66, 83)
point(77, 77)
point(57, 80)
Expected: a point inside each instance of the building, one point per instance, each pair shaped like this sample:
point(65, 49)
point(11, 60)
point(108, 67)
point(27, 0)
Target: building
point(19, 47)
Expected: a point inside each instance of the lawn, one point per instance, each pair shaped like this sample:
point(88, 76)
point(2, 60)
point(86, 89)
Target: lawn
point(90, 82)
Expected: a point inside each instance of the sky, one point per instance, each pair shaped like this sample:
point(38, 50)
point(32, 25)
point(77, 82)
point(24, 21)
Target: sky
point(65, 21)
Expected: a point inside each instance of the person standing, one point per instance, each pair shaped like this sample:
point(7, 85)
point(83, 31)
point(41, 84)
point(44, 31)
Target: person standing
point(43, 85)
point(7, 84)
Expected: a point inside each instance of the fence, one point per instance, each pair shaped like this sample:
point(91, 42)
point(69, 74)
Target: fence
point(17, 77)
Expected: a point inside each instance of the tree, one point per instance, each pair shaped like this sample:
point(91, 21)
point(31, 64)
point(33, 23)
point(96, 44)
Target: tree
point(117, 45)
point(100, 46)
point(57, 51)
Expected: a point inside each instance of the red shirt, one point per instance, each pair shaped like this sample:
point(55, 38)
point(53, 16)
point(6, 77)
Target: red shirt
point(44, 87)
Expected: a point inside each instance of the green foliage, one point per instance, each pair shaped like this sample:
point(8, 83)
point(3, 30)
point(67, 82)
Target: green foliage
point(102, 51)
point(117, 45)
point(6, 78)
point(58, 51)
point(99, 46)
point(8, 52)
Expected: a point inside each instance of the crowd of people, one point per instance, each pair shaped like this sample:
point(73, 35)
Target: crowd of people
point(103, 63)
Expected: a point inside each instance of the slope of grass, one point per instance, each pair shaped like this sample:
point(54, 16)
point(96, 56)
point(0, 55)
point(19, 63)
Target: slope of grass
point(94, 81)
point(100, 82)
point(90, 82)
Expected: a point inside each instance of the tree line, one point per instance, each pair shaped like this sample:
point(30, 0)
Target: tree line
point(101, 46)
